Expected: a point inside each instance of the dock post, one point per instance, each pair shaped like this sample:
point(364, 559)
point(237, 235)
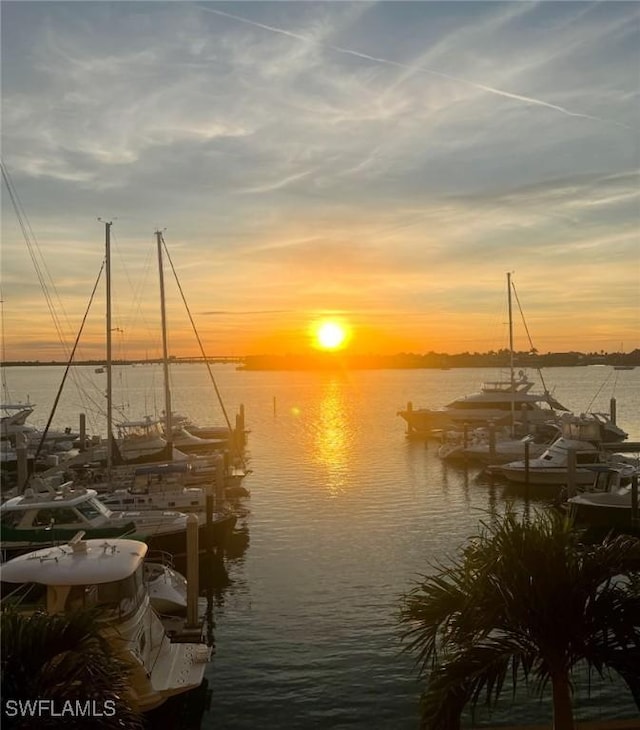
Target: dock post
point(492, 439)
point(192, 571)
point(571, 473)
point(635, 517)
point(613, 410)
point(410, 428)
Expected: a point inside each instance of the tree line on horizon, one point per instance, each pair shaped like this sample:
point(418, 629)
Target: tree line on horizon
point(320, 360)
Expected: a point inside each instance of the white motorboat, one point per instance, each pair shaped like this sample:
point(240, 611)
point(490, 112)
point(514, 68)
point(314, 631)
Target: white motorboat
point(190, 444)
point(15, 430)
point(166, 586)
point(142, 441)
point(14, 420)
point(552, 468)
point(53, 516)
point(595, 428)
point(480, 446)
point(609, 504)
point(109, 575)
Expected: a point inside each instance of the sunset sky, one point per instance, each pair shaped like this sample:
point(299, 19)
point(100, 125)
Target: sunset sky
point(381, 164)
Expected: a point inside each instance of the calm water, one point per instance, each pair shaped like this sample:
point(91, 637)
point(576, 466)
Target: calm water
point(344, 514)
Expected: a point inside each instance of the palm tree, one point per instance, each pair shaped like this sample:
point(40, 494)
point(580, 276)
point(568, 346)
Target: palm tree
point(58, 658)
point(523, 598)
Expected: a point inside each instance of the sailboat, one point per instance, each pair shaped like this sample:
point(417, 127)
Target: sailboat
point(509, 402)
point(148, 444)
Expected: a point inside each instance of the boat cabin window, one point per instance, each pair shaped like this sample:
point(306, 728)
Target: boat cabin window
point(91, 508)
point(472, 405)
point(56, 516)
point(119, 598)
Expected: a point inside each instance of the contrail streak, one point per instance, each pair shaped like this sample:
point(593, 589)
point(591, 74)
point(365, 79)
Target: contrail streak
point(388, 62)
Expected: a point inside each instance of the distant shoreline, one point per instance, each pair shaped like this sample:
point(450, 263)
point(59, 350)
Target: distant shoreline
point(402, 361)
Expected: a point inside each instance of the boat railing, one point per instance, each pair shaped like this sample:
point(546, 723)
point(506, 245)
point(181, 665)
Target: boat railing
point(160, 556)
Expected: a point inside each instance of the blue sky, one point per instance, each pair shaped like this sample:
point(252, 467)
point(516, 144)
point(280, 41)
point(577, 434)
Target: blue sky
point(387, 162)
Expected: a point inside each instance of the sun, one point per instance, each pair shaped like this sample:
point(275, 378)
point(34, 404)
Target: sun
point(331, 335)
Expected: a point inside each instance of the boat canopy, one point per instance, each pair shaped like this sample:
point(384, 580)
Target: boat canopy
point(84, 562)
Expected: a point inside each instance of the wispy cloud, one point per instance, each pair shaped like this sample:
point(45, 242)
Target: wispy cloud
point(389, 157)
point(413, 68)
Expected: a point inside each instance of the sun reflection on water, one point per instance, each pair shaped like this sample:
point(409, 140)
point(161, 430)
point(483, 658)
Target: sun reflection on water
point(332, 437)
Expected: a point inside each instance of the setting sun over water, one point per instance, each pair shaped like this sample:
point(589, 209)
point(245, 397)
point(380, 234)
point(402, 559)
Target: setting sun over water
point(330, 335)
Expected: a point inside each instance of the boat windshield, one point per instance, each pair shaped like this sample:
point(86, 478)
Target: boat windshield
point(92, 508)
point(119, 598)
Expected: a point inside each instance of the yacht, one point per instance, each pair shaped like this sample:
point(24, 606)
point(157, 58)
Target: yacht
point(109, 575)
point(497, 402)
point(509, 401)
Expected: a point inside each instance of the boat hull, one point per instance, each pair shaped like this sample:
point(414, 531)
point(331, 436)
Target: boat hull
point(215, 536)
point(17, 542)
point(544, 477)
point(598, 515)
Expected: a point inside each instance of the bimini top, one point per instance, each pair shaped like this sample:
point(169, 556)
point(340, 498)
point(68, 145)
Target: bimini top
point(79, 562)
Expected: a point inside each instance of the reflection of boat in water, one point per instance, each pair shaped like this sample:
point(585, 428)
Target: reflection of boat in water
point(109, 576)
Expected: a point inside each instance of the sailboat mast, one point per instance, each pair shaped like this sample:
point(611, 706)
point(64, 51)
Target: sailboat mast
point(107, 246)
point(511, 368)
point(165, 353)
